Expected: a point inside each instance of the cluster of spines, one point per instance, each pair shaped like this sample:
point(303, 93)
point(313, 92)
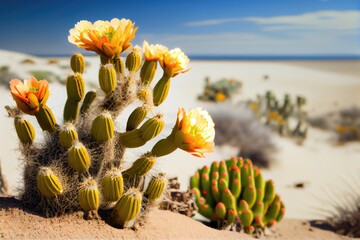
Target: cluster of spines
point(234, 189)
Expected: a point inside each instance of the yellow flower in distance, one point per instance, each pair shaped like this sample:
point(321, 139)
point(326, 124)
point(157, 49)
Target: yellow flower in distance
point(103, 37)
point(194, 132)
point(153, 52)
point(30, 94)
point(174, 62)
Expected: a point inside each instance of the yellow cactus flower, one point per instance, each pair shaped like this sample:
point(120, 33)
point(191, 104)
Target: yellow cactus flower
point(220, 97)
point(174, 62)
point(194, 132)
point(30, 95)
point(153, 52)
point(103, 37)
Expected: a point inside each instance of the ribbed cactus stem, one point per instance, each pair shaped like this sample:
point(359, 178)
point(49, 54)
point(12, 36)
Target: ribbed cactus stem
point(46, 119)
point(161, 90)
point(141, 166)
point(24, 130)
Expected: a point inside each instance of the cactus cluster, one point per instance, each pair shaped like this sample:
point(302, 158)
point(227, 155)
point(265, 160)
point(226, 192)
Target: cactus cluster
point(80, 164)
point(234, 192)
point(220, 90)
point(348, 125)
point(287, 117)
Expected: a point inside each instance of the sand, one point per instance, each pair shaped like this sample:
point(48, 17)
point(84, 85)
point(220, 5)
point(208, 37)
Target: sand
point(323, 166)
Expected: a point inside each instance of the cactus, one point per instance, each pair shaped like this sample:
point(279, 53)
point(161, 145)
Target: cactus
point(236, 190)
point(62, 173)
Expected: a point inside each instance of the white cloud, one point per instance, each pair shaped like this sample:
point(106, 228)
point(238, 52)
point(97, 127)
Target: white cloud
point(336, 20)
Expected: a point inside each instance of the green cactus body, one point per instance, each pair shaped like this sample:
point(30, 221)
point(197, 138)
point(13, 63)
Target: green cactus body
point(228, 199)
point(246, 217)
point(249, 229)
point(272, 211)
point(152, 127)
point(68, 136)
point(220, 210)
point(281, 214)
point(24, 130)
point(107, 78)
point(75, 87)
point(258, 209)
point(46, 119)
point(235, 181)
point(71, 111)
point(259, 184)
point(223, 184)
point(156, 187)
point(231, 162)
point(102, 128)
point(89, 198)
point(148, 71)
point(214, 186)
point(133, 60)
point(161, 90)
point(132, 139)
point(118, 64)
point(136, 117)
point(205, 184)
point(195, 180)
point(269, 192)
point(214, 168)
point(77, 63)
point(223, 172)
point(243, 205)
point(141, 166)
point(112, 185)
point(230, 216)
point(78, 157)
point(240, 163)
point(88, 100)
point(127, 208)
point(249, 195)
point(48, 183)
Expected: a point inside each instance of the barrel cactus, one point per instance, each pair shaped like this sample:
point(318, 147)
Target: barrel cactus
point(80, 164)
point(233, 191)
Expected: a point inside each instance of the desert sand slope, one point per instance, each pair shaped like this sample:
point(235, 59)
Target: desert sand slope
point(16, 223)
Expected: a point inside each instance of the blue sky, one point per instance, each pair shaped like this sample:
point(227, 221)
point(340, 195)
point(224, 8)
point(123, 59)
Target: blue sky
point(199, 27)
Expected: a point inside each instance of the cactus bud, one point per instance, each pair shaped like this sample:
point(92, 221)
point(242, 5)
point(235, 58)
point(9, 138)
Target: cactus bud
point(152, 127)
point(48, 183)
point(75, 87)
point(88, 100)
point(220, 210)
point(24, 130)
point(112, 185)
point(46, 119)
point(127, 208)
point(89, 195)
point(141, 166)
point(77, 63)
point(118, 64)
point(161, 90)
point(148, 71)
point(68, 136)
point(78, 157)
point(133, 60)
point(71, 110)
point(137, 116)
point(107, 78)
point(156, 187)
point(102, 128)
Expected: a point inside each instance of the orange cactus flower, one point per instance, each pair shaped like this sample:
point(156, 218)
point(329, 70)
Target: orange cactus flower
point(30, 95)
point(174, 62)
point(103, 37)
point(194, 132)
point(153, 52)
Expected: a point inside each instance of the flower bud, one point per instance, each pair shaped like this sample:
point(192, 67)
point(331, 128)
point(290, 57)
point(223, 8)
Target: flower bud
point(77, 63)
point(102, 128)
point(107, 78)
point(48, 183)
point(133, 60)
point(161, 90)
point(156, 187)
point(89, 195)
point(46, 119)
point(68, 136)
point(152, 127)
point(118, 64)
point(88, 100)
point(75, 87)
point(132, 139)
point(141, 166)
point(78, 157)
point(71, 110)
point(24, 130)
point(137, 116)
point(112, 185)
point(148, 71)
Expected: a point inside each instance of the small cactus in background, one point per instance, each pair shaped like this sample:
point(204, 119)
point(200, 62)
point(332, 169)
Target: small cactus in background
point(80, 164)
point(235, 189)
point(288, 117)
point(220, 91)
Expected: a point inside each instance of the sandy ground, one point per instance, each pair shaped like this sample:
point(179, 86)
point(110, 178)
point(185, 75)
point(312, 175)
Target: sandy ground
point(324, 167)
point(18, 224)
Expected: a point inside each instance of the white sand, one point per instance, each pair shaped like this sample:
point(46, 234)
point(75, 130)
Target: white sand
point(318, 162)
